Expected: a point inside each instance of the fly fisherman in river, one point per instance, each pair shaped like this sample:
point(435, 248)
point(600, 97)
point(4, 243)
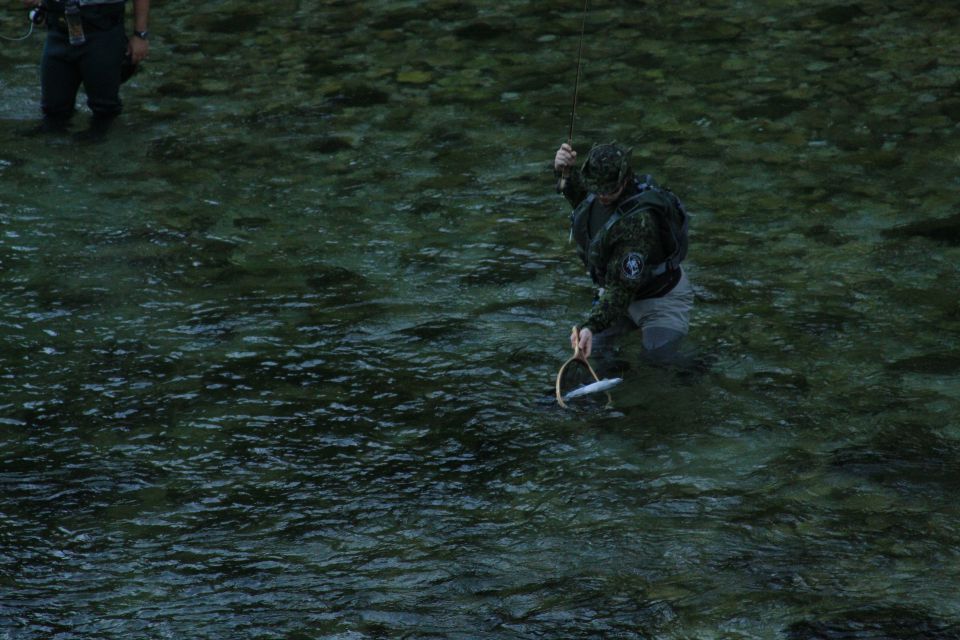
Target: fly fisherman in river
point(86, 43)
point(631, 234)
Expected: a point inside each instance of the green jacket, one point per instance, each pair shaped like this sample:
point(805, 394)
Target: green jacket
point(632, 248)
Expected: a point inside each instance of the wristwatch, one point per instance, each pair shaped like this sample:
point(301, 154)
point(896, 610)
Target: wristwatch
point(143, 35)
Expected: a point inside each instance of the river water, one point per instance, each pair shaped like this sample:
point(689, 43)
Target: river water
point(278, 352)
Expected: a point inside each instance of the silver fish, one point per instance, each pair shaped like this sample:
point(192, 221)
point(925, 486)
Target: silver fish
point(595, 387)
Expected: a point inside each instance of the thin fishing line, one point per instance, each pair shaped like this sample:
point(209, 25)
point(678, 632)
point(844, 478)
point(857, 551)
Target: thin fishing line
point(29, 33)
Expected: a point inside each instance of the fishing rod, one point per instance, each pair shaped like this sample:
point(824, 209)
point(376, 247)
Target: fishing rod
point(576, 88)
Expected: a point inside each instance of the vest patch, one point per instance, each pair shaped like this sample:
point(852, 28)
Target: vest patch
point(631, 267)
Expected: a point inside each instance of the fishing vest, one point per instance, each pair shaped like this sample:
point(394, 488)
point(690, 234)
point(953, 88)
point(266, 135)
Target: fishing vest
point(672, 225)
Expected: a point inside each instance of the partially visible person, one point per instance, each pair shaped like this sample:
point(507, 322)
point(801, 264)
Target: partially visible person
point(631, 234)
point(93, 55)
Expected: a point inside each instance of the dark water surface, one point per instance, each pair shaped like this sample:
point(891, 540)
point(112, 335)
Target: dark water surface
point(277, 355)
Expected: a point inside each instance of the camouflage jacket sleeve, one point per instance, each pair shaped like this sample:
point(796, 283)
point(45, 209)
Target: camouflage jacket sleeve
point(575, 190)
point(634, 247)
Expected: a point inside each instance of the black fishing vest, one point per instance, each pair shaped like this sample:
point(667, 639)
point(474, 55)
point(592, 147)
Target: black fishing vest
point(667, 213)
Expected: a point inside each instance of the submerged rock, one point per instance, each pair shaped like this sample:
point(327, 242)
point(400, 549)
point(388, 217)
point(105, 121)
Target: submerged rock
point(442, 10)
point(774, 108)
point(414, 77)
point(332, 277)
point(330, 144)
point(773, 381)
point(841, 14)
point(436, 329)
point(827, 235)
point(951, 109)
point(893, 623)
point(398, 18)
point(483, 31)
point(320, 65)
point(251, 223)
point(946, 230)
point(360, 95)
point(907, 464)
point(338, 287)
point(10, 162)
point(233, 22)
point(499, 271)
point(176, 89)
point(932, 363)
point(708, 31)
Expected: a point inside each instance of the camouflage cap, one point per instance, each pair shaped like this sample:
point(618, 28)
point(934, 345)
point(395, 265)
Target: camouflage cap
point(606, 167)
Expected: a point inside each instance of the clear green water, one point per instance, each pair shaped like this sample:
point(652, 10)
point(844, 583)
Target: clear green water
point(277, 356)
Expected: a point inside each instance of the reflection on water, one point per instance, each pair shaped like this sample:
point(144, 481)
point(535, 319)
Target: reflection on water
point(278, 354)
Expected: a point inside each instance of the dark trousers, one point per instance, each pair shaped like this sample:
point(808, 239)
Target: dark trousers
point(95, 64)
